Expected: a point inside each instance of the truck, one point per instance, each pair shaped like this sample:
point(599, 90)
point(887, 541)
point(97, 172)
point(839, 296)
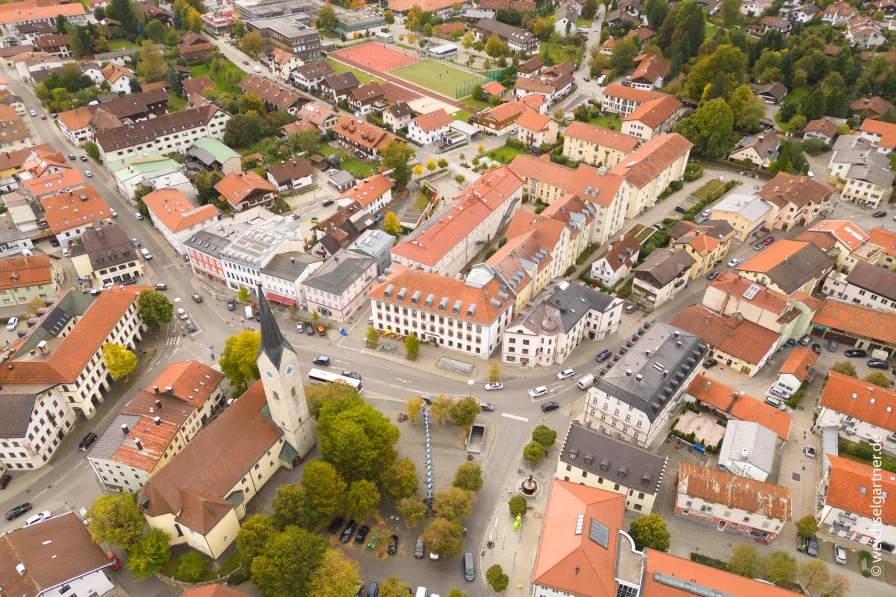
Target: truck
point(475, 439)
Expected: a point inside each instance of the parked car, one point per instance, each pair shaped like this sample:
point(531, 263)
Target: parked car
point(65, 251)
point(812, 546)
point(603, 356)
point(309, 329)
point(832, 346)
point(348, 531)
point(418, 548)
point(816, 348)
point(631, 309)
point(487, 406)
point(191, 327)
point(806, 340)
point(87, 441)
point(300, 328)
point(54, 241)
point(840, 554)
point(196, 298)
point(734, 262)
point(856, 353)
point(231, 305)
point(336, 525)
point(39, 517)
point(322, 360)
point(879, 214)
point(764, 243)
point(182, 313)
point(549, 406)
point(12, 324)
point(33, 113)
point(710, 363)
point(878, 364)
point(4, 481)
point(393, 545)
point(17, 511)
point(712, 276)
point(362, 534)
point(809, 451)
point(88, 173)
point(494, 386)
point(138, 215)
point(72, 157)
point(83, 158)
point(566, 374)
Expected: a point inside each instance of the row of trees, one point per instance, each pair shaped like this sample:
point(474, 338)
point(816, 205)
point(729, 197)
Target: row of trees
point(878, 378)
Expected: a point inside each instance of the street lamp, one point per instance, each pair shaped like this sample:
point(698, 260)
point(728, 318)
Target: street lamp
point(470, 383)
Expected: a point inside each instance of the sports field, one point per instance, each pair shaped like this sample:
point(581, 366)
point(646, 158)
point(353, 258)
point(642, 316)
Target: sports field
point(439, 77)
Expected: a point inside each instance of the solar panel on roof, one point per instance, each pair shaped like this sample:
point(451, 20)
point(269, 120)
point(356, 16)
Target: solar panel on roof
point(599, 533)
point(751, 292)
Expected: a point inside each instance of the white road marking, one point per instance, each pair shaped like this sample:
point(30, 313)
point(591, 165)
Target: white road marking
point(62, 477)
point(170, 265)
point(40, 494)
point(515, 417)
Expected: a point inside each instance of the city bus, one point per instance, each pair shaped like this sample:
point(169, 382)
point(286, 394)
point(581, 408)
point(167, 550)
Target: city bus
point(319, 376)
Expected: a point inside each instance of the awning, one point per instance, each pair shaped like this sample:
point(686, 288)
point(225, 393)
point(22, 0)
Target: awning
point(279, 298)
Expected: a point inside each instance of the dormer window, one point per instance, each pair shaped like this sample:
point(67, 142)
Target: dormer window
point(573, 453)
point(589, 457)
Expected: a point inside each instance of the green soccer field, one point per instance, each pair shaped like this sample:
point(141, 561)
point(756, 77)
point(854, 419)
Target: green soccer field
point(439, 77)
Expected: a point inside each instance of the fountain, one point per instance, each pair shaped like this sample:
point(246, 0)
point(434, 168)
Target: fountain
point(529, 486)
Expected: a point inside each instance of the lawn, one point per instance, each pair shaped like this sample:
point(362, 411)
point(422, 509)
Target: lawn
point(358, 168)
point(461, 115)
point(796, 95)
point(580, 22)
point(121, 44)
point(710, 31)
point(421, 201)
point(708, 190)
point(560, 53)
point(170, 569)
point(505, 154)
point(202, 69)
point(605, 120)
point(363, 77)
point(439, 77)
point(475, 104)
point(175, 104)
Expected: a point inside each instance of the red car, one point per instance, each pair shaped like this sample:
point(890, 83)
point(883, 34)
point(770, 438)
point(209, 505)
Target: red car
point(115, 563)
point(43, 116)
point(764, 243)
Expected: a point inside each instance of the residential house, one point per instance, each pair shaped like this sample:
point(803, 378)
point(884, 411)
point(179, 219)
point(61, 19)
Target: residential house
point(748, 450)
point(22, 279)
point(493, 89)
point(429, 128)
point(622, 100)
point(597, 146)
point(501, 119)
point(870, 107)
point(204, 251)
point(759, 149)
point(70, 213)
point(371, 194)
point(310, 75)
point(824, 129)
point(359, 136)
point(284, 64)
point(861, 410)
point(551, 90)
point(651, 168)
point(856, 326)
point(439, 7)
point(12, 241)
point(886, 240)
point(153, 171)
point(284, 274)
point(338, 86)
point(54, 44)
point(176, 218)
point(795, 370)
point(838, 14)
point(799, 199)
point(707, 243)
point(788, 266)
point(600, 461)
point(637, 386)
point(881, 134)
point(397, 116)
point(843, 241)
point(732, 504)
point(516, 39)
point(530, 68)
point(107, 255)
point(251, 249)
point(295, 174)
point(215, 156)
point(536, 129)
point(747, 214)
point(855, 505)
point(650, 73)
point(75, 125)
point(780, 25)
point(274, 94)
point(616, 262)
point(156, 424)
point(339, 288)
point(733, 405)
point(565, 18)
point(196, 86)
point(120, 79)
point(14, 135)
point(734, 342)
point(556, 321)
point(365, 98)
point(244, 190)
point(321, 116)
point(770, 93)
point(801, 14)
point(375, 244)
point(652, 118)
point(865, 32)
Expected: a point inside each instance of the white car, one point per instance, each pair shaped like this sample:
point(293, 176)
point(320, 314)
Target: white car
point(12, 324)
point(300, 329)
point(39, 517)
point(33, 113)
point(88, 173)
point(137, 215)
point(182, 313)
point(494, 386)
point(566, 374)
point(536, 392)
point(65, 252)
point(114, 213)
point(734, 262)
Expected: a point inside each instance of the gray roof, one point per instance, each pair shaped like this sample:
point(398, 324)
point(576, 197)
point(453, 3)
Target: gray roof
point(664, 265)
point(342, 81)
point(878, 280)
point(372, 243)
point(643, 470)
point(876, 170)
point(560, 306)
point(108, 246)
point(851, 149)
point(289, 266)
point(652, 367)
point(208, 243)
point(337, 275)
point(10, 234)
point(505, 31)
point(750, 207)
point(342, 177)
point(113, 436)
point(764, 144)
point(807, 263)
point(775, 90)
point(757, 440)
point(272, 341)
point(400, 109)
point(17, 409)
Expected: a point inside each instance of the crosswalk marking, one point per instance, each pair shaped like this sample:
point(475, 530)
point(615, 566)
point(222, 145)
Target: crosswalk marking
point(172, 341)
point(216, 367)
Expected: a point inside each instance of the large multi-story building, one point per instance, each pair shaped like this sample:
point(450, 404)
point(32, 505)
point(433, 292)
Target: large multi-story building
point(34, 12)
point(292, 34)
point(204, 251)
point(651, 168)
point(260, 9)
point(597, 146)
point(176, 218)
point(108, 255)
point(22, 279)
point(622, 100)
point(636, 395)
point(284, 274)
point(70, 214)
point(64, 350)
point(799, 199)
point(339, 287)
point(517, 39)
point(788, 267)
point(860, 410)
point(251, 250)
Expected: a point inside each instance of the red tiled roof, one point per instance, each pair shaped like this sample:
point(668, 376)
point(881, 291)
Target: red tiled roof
point(174, 210)
point(739, 338)
point(844, 231)
point(21, 272)
point(494, 88)
point(823, 126)
point(886, 130)
point(856, 320)
point(655, 112)
point(237, 186)
point(742, 493)
point(798, 190)
point(533, 121)
point(799, 363)
point(772, 256)
point(76, 119)
point(885, 239)
point(631, 93)
point(67, 210)
point(433, 120)
point(845, 489)
point(743, 407)
point(46, 185)
point(652, 158)
point(860, 400)
point(651, 69)
point(213, 591)
point(601, 136)
point(367, 191)
point(603, 189)
point(190, 381)
point(362, 133)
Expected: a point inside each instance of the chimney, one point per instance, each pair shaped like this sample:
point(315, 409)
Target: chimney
point(157, 421)
point(20, 568)
point(159, 404)
point(124, 428)
point(155, 389)
point(138, 444)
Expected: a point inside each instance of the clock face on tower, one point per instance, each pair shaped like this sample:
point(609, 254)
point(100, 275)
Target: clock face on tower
point(269, 373)
point(289, 370)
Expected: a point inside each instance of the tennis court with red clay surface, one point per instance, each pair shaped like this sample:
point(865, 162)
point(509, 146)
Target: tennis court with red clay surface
point(377, 57)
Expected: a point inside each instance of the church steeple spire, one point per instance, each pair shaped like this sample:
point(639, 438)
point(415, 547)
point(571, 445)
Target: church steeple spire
point(272, 341)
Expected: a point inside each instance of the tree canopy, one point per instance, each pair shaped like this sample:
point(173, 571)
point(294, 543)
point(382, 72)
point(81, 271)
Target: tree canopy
point(154, 308)
point(238, 360)
point(288, 562)
point(118, 359)
point(114, 519)
point(149, 554)
point(356, 438)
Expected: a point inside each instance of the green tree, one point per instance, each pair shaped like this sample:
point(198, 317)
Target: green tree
point(454, 503)
point(92, 150)
point(412, 345)
point(780, 568)
point(656, 11)
point(589, 9)
point(391, 225)
point(203, 186)
point(324, 487)
point(252, 44)
point(114, 519)
point(458, 592)
point(582, 113)
point(149, 554)
point(533, 451)
point(427, 30)
point(243, 295)
point(724, 69)
point(192, 566)
point(544, 435)
point(464, 412)
point(731, 12)
point(443, 537)
point(388, 15)
point(288, 562)
point(362, 499)
point(517, 505)
point(806, 526)
point(253, 535)
point(337, 576)
point(155, 31)
point(412, 509)
point(293, 507)
point(250, 102)
point(746, 561)
point(239, 28)
point(879, 378)
point(238, 361)
point(356, 438)
point(152, 66)
point(650, 531)
point(396, 156)
point(709, 128)
point(496, 578)
point(373, 336)
point(468, 40)
point(414, 405)
point(118, 359)
point(468, 476)
point(494, 371)
point(814, 575)
point(326, 18)
point(124, 13)
point(441, 407)
point(306, 141)
point(316, 395)
point(746, 109)
point(34, 305)
point(797, 122)
point(154, 308)
point(400, 479)
point(193, 20)
point(623, 56)
point(598, 63)
point(495, 48)
point(393, 587)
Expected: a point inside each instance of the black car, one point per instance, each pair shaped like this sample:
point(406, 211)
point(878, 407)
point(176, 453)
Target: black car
point(362, 534)
point(309, 329)
point(712, 276)
point(348, 531)
point(336, 525)
point(18, 511)
point(231, 305)
point(54, 241)
point(4, 481)
point(710, 363)
point(603, 356)
point(816, 348)
point(87, 441)
point(197, 298)
point(352, 374)
point(879, 214)
point(393, 545)
point(856, 353)
point(812, 546)
point(322, 360)
point(878, 364)
point(549, 406)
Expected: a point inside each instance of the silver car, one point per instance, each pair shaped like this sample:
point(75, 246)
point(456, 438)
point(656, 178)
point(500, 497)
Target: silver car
point(840, 554)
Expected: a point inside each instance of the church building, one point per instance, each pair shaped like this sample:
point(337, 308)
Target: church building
point(200, 496)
